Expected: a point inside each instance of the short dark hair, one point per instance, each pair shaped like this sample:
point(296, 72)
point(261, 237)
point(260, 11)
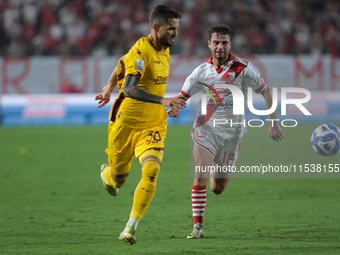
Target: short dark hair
point(161, 13)
point(220, 29)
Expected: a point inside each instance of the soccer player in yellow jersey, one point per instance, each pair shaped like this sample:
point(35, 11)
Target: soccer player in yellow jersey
point(138, 117)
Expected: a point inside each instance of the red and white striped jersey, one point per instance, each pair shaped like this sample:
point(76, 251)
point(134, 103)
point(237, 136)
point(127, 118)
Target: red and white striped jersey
point(219, 101)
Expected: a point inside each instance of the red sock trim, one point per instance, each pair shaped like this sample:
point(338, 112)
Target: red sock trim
point(199, 187)
point(198, 219)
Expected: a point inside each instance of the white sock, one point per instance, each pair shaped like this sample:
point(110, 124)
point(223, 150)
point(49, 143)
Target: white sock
point(132, 222)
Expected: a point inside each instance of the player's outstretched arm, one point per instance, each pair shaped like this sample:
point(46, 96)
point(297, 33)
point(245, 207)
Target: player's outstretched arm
point(105, 96)
point(132, 90)
point(274, 131)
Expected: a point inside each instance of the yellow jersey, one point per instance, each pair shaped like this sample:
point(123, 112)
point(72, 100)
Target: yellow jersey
point(146, 60)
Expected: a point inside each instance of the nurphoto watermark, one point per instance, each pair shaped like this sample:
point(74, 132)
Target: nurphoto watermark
point(238, 104)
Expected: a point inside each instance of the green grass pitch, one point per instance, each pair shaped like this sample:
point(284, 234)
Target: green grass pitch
point(52, 200)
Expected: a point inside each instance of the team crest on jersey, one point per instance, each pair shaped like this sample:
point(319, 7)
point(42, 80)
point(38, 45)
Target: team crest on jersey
point(139, 65)
point(231, 75)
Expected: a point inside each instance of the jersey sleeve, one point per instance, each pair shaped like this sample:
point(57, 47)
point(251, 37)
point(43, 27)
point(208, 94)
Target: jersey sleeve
point(254, 79)
point(192, 84)
point(135, 62)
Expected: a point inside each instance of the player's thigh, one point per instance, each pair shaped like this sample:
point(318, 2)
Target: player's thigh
point(120, 148)
point(227, 156)
point(150, 139)
point(203, 162)
point(204, 148)
point(204, 151)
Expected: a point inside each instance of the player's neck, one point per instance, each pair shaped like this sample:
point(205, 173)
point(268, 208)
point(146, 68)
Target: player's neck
point(156, 40)
point(218, 63)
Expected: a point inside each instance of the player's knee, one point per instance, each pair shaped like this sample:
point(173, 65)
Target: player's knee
point(150, 170)
point(218, 185)
point(218, 190)
point(200, 181)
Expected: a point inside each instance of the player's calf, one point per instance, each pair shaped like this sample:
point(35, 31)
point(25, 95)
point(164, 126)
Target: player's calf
point(110, 189)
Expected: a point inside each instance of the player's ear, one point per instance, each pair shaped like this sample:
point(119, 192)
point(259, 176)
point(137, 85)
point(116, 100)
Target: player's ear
point(155, 26)
point(209, 44)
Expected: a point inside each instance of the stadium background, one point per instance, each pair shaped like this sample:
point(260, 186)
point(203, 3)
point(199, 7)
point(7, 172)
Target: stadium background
point(56, 55)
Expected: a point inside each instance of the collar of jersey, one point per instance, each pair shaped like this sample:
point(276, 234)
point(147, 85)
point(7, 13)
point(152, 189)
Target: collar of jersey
point(230, 57)
point(153, 44)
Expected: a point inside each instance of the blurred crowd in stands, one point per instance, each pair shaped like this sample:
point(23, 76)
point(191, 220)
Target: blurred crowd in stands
point(107, 27)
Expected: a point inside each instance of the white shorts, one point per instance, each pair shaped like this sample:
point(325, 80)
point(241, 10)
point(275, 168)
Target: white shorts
point(224, 150)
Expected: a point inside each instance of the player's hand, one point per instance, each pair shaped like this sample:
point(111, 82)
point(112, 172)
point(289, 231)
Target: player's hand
point(173, 113)
point(275, 132)
point(104, 98)
point(175, 103)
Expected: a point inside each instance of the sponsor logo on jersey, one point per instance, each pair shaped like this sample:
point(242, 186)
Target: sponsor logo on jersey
point(161, 80)
point(157, 62)
point(223, 92)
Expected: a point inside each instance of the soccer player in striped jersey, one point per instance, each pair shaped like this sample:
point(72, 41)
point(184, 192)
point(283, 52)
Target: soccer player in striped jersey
point(138, 118)
point(220, 144)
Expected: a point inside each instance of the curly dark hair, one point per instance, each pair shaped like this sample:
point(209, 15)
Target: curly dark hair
point(220, 29)
point(161, 14)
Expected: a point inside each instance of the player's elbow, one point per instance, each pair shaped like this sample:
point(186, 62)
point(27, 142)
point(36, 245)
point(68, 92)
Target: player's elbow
point(128, 92)
point(130, 85)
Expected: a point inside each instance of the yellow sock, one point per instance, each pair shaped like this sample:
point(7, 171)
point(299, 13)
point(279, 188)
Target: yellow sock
point(117, 182)
point(107, 176)
point(145, 189)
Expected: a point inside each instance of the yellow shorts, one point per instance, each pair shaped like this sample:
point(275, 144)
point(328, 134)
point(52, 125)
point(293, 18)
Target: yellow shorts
point(124, 142)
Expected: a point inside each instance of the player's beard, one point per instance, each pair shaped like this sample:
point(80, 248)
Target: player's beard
point(165, 41)
point(221, 57)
